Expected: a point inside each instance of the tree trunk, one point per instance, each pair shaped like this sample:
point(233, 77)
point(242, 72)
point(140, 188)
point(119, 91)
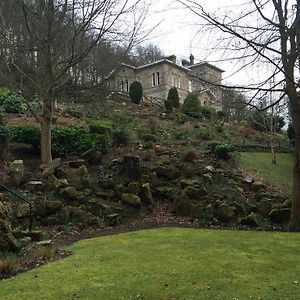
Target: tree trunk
point(296, 172)
point(46, 124)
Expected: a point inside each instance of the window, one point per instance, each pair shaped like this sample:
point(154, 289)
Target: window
point(190, 86)
point(175, 80)
point(155, 79)
point(124, 86)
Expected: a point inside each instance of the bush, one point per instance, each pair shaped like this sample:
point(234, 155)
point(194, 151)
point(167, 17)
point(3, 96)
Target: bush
point(173, 97)
point(4, 139)
point(191, 106)
point(153, 124)
point(121, 120)
point(203, 133)
point(66, 141)
point(100, 126)
point(4, 93)
point(180, 118)
point(148, 145)
point(14, 104)
point(72, 140)
point(168, 105)
point(207, 111)
point(223, 151)
point(136, 92)
point(148, 137)
point(189, 156)
point(28, 134)
point(220, 114)
point(120, 137)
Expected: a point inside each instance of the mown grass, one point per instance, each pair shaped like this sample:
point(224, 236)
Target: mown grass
point(168, 264)
point(260, 163)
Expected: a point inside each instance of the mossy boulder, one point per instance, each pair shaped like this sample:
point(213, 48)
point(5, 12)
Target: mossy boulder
point(165, 192)
point(78, 178)
point(53, 206)
point(281, 215)
point(69, 193)
point(225, 213)
point(146, 194)
point(188, 169)
point(194, 192)
point(131, 200)
point(134, 188)
point(258, 186)
point(254, 219)
point(167, 171)
point(107, 183)
point(264, 207)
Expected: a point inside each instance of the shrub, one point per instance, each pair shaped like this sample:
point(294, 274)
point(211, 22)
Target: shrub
point(148, 137)
point(148, 145)
point(180, 118)
point(220, 114)
point(72, 140)
point(247, 131)
point(203, 133)
point(120, 137)
point(168, 105)
point(100, 126)
point(173, 97)
point(14, 104)
point(66, 141)
point(189, 156)
point(4, 139)
point(223, 151)
point(28, 134)
point(136, 92)
point(153, 124)
point(120, 119)
point(207, 111)
point(4, 93)
point(191, 106)
point(7, 265)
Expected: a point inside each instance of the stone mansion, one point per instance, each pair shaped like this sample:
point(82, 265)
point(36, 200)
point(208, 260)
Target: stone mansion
point(158, 77)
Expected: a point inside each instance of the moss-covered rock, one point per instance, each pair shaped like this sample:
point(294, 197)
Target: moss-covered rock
point(225, 213)
point(167, 171)
point(134, 188)
point(254, 219)
point(107, 183)
point(53, 206)
point(188, 169)
point(146, 194)
point(69, 193)
point(131, 200)
point(264, 207)
point(281, 215)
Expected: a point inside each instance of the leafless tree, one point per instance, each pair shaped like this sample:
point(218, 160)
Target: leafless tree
point(264, 32)
point(43, 42)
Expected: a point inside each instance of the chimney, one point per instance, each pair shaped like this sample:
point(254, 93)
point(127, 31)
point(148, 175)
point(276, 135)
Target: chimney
point(192, 59)
point(185, 63)
point(172, 58)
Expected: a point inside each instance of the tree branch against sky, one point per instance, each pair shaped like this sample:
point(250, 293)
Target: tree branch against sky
point(265, 33)
point(43, 41)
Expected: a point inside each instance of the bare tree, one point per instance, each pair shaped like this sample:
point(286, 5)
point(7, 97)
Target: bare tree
point(43, 41)
point(268, 33)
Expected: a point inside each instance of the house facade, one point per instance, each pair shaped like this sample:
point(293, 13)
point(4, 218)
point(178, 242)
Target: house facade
point(158, 77)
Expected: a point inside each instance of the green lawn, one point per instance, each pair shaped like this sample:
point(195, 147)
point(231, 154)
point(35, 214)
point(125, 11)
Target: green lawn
point(168, 264)
point(260, 163)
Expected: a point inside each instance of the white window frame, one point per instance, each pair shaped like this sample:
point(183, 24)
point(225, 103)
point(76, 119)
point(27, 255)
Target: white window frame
point(155, 79)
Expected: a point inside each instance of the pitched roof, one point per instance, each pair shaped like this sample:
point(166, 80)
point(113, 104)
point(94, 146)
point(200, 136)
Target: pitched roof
point(206, 64)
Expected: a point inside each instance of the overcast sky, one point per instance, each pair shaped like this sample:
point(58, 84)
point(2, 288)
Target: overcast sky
point(180, 33)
